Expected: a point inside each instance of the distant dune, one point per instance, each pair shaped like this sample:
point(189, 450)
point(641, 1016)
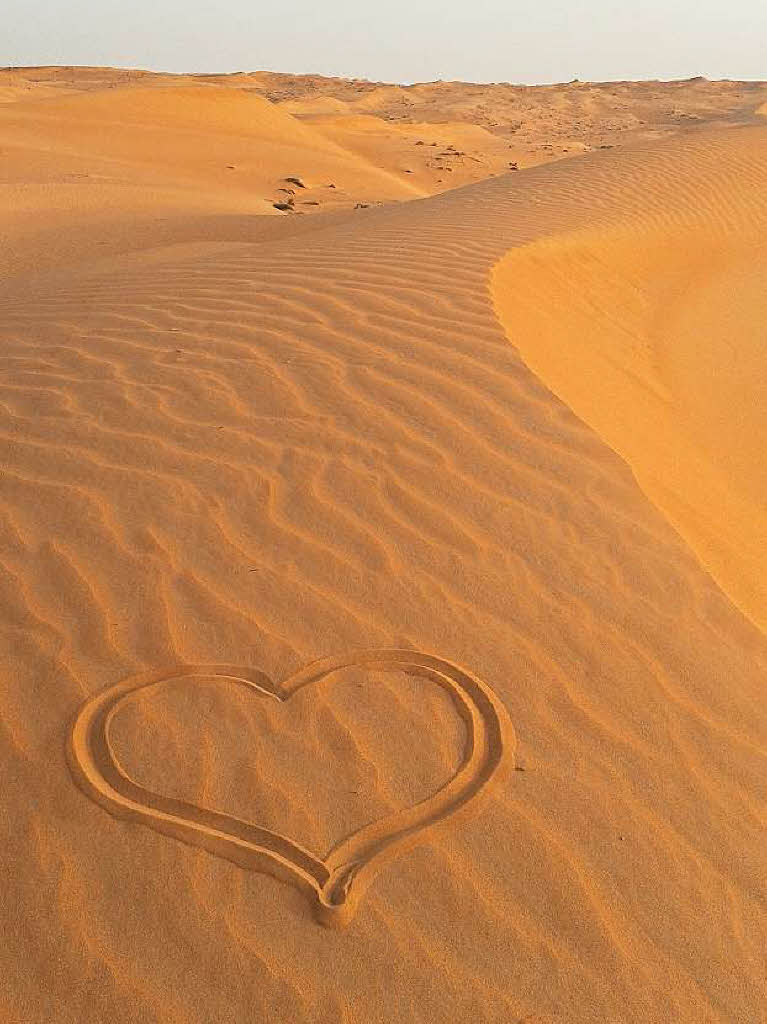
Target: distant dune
point(85, 161)
point(509, 431)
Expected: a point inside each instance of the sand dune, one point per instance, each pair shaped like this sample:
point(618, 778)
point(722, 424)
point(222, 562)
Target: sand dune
point(86, 162)
point(100, 161)
point(651, 327)
point(258, 451)
point(436, 158)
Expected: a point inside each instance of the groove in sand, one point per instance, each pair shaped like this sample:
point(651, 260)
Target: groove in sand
point(337, 882)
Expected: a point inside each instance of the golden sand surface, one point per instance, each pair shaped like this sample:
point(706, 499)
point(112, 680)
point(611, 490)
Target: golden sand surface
point(397, 567)
point(651, 324)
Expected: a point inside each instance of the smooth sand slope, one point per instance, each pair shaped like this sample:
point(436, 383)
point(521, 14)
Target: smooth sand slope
point(260, 453)
point(653, 328)
point(94, 173)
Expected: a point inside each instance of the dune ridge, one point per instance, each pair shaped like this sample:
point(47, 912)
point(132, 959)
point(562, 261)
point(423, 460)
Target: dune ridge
point(259, 453)
point(100, 161)
point(650, 329)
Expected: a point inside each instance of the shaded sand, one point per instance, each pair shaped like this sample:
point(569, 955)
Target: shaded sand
point(260, 452)
point(652, 327)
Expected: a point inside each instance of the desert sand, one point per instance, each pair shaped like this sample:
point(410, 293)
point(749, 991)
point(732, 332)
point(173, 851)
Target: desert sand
point(383, 608)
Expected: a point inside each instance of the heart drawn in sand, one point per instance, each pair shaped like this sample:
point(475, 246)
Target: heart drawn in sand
point(335, 883)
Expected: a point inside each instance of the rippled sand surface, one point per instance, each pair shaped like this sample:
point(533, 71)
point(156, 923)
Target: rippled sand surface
point(460, 426)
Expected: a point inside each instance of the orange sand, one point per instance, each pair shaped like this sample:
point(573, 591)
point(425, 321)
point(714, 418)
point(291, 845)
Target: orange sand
point(495, 428)
point(653, 331)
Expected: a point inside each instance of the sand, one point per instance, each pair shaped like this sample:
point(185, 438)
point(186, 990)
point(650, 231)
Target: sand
point(652, 329)
point(490, 454)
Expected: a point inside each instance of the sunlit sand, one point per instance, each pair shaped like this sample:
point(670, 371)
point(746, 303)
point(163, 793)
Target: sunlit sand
point(466, 463)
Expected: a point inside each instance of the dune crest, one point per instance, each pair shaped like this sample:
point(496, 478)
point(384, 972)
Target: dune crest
point(650, 326)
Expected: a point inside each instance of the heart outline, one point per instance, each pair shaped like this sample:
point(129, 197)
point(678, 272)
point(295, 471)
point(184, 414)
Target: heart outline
point(336, 882)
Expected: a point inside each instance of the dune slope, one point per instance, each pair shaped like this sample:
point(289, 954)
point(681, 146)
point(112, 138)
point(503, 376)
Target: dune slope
point(259, 454)
point(651, 327)
point(85, 174)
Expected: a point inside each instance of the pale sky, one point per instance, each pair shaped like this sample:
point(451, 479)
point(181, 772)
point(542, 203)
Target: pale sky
point(399, 40)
